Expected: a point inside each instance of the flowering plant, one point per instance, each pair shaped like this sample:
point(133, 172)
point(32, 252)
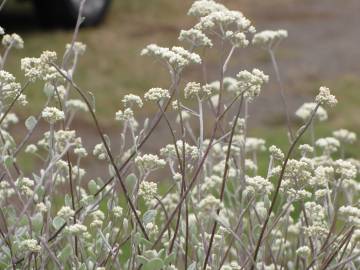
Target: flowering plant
point(220, 210)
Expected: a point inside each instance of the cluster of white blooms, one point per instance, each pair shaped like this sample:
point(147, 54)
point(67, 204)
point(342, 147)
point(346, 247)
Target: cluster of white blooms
point(328, 145)
point(255, 145)
point(258, 184)
point(76, 229)
point(238, 40)
point(31, 149)
point(303, 251)
point(156, 94)
point(209, 204)
point(276, 153)
point(52, 115)
point(132, 100)
point(152, 229)
point(126, 115)
point(203, 8)
point(169, 150)
point(13, 40)
point(30, 245)
point(345, 136)
point(117, 211)
point(10, 89)
point(65, 212)
point(225, 19)
point(306, 110)
point(100, 151)
point(268, 38)
point(9, 119)
point(41, 68)
point(325, 97)
point(78, 47)
point(41, 207)
point(351, 213)
point(76, 105)
point(98, 218)
point(177, 57)
point(346, 169)
point(251, 82)
point(306, 149)
point(195, 37)
point(25, 185)
point(148, 190)
point(149, 162)
point(194, 89)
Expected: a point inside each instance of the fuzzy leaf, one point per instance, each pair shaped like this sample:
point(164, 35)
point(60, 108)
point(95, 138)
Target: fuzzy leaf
point(154, 264)
point(30, 122)
point(58, 222)
point(149, 216)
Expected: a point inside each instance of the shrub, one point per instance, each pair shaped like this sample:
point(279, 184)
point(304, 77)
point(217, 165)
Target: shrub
point(219, 212)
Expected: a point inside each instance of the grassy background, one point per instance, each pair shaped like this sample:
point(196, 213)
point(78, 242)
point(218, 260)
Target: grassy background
point(113, 66)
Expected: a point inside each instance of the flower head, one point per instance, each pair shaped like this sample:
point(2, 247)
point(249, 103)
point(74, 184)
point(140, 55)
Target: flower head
point(52, 114)
point(325, 97)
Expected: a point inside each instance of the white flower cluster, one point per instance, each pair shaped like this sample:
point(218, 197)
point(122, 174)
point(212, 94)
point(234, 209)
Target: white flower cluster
point(345, 136)
point(269, 39)
point(52, 115)
point(132, 100)
point(10, 89)
point(41, 68)
point(238, 40)
point(169, 150)
point(194, 89)
point(195, 37)
point(149, 162)
point(79, 48)
point(255, 145)
point(203, 8)
point(76, 229)
point(25, 185)
point(258, 184)
point(307, 109)
point(251, 82)
point(65, 212)
point(148, 190)
point(13, 40)
point(328, 145)
point(156, 94)
point(325, 97)
point(30, 245)
point(177, 57)
point(276, 153)
point(76, 105)
point(100, 151)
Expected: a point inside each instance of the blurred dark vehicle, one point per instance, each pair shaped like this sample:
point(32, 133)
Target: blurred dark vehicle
point(65, 12)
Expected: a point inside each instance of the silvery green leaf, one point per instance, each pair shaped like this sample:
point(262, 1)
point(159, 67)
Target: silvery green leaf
point(130, 182)
point(65, 254)
point(149, 216)
point(153, 264)
point(37, 222)
point(30, 122)
point(192, 266)
point(68, 201)
point(58, 222)
point(92, 186)
point(170, 259)
point(141, 259)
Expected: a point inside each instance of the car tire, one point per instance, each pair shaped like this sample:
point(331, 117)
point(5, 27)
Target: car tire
point(65, 12)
